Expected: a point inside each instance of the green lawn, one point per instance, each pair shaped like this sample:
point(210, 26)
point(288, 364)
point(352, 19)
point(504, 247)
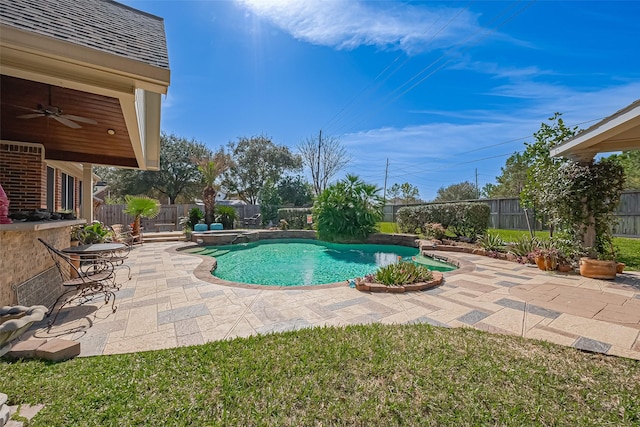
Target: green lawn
point(374, 375)
point(628, 248)
point(388, 227)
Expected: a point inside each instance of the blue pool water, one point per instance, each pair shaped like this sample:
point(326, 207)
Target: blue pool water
point(306, 262)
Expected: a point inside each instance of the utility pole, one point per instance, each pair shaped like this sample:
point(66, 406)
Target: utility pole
point(384, 194)
point(318, 171)
point(477, 189)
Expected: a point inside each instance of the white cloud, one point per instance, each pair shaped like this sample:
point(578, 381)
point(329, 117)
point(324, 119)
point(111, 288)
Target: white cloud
point(347, 24)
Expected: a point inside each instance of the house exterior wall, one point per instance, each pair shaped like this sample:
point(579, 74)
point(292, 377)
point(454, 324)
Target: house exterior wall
point(22, 257)
point(23, 175)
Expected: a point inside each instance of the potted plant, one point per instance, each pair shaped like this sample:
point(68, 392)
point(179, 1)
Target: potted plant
point(185, 222)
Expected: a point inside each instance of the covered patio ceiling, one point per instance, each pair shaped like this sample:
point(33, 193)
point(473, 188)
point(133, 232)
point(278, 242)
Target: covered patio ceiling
point(618, 132)
point(106, 142)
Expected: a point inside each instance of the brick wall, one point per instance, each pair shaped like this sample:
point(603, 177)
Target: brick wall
point(23, 175)
point(22, 257)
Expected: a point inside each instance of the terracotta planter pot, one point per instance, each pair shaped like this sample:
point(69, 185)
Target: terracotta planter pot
point(620, 267)
point(598, 269)
point(550, 264)
point(565, 268)
point(540, 262)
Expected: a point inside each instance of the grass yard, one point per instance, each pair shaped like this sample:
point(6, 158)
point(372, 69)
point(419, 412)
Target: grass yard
point(359, 375)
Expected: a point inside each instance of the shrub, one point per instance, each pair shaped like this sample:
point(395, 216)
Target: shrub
point(348, 210)
point(296, 218)
point(226, 215)
point(469, 219)
point(434, 231)
point(195, 215)
point(401, 273)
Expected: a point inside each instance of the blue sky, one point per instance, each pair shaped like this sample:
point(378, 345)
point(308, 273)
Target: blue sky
point(438, 88)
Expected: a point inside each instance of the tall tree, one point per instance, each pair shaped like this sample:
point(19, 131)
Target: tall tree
point(295, 190)
point(178, 176)
point(541, 167)
point(512, 180)
point(463, 191)
point(211, 168)
point(404, 193)
point(257, 160)
point(630, 161)
point(325, 156)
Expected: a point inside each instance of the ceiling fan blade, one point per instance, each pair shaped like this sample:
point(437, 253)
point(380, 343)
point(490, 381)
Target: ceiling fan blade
point(28, 109)
point(30, 116)
point(79, 119)
point(67, 122)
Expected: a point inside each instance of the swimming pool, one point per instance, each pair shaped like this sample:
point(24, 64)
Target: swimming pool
point(299, 262)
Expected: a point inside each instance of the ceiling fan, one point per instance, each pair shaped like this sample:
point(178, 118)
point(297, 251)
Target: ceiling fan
point(56, 113)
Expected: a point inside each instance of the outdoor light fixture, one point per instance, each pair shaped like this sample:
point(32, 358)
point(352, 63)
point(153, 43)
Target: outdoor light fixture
point(111, 131)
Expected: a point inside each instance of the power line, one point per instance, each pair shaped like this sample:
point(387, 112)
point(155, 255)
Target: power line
point(371, 89)
point(450, 52)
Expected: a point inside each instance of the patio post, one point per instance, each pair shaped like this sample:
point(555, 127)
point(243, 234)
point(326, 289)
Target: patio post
point(87, 192)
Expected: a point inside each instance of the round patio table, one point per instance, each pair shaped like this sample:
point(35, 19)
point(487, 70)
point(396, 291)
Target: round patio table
point(94, 249)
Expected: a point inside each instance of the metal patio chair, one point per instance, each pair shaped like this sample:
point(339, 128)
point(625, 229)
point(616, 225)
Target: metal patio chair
point(82, 277)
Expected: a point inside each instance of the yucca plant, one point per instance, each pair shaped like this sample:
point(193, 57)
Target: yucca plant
point(402, 273)
point(492, 242)
point(141, 207)
point(524, 245)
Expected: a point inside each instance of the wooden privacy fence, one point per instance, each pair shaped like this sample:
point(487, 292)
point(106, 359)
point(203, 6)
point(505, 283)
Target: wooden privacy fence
point(167, 220)
point(507, 214)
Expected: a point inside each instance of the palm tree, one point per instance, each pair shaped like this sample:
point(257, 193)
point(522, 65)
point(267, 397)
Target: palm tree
point(211, 168)
point(139, 207)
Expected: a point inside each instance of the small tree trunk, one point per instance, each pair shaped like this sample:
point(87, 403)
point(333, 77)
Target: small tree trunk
point(136, 226)
point(209, 199)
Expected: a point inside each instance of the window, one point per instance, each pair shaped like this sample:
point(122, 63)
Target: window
point(67, 200)
point(51, 185)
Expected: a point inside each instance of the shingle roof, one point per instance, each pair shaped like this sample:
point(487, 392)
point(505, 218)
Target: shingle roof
point(99, 24)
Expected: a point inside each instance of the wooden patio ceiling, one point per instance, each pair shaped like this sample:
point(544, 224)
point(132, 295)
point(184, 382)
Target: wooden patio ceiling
point(92, 143)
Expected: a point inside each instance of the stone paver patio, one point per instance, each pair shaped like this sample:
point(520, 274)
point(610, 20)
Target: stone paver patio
point(166, 305)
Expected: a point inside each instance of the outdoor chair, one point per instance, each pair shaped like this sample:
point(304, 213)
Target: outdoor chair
point(253, 221)
point(121, 234)
point(82, 278)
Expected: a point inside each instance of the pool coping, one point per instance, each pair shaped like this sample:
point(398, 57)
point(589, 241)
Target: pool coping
point(204, 269)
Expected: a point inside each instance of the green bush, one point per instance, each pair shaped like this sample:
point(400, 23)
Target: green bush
point(195, 215)
point(226, 215)
point(348, 210)
point(414, 219)
point(401, 273)
point(296, 218)
point(95, 232)
point(468, 219)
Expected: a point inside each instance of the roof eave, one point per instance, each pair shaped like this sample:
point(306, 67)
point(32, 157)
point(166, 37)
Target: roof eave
point(584, 146)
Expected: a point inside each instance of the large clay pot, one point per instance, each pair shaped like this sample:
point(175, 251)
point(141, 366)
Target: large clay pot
point(598, 269)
